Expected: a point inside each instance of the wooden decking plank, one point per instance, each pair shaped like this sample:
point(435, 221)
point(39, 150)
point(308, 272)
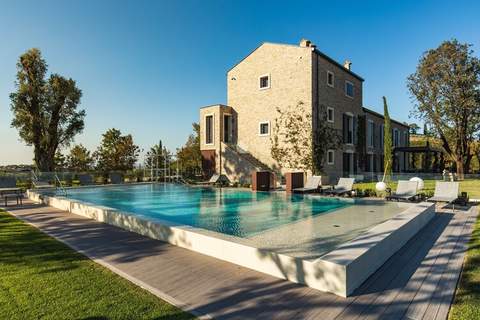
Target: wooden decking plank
point(414, 268)
point(428, 274)
point(402, 263)
point(441, 300)
point(422, 298)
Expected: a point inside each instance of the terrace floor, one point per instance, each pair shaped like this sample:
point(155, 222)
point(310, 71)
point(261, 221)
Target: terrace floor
point(418, 282)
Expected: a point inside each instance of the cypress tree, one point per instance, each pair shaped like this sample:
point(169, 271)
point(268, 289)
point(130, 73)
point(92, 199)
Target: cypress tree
point(387, 142)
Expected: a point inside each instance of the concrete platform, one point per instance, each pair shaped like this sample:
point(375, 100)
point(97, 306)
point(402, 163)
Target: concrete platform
point(417, 282)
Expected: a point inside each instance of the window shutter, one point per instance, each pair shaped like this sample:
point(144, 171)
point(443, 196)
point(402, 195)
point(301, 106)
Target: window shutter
point(354, 133)
point(345, 128)
point(373, 134)
point(355, 163)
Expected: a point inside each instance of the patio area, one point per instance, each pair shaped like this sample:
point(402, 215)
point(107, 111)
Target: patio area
point(418, 282)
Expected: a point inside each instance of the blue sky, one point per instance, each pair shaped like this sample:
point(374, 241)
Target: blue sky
point(146, 67)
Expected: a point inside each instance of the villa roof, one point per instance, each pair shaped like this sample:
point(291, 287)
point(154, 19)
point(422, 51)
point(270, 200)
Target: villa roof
point(366, 110)
point(323, 55)
point(215, 105)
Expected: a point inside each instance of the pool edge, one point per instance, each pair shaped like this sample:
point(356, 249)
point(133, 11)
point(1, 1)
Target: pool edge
point(340, 271)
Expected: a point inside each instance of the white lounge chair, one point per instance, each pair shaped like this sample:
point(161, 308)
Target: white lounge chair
point(344, 185)
point(214, 179)
point(445, 192)
point(406, 190)
point(313, 184)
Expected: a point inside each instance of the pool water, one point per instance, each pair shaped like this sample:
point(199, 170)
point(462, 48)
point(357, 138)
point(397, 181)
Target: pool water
point(236, 212)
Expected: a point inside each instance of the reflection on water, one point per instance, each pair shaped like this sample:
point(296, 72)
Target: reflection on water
point(231, 211)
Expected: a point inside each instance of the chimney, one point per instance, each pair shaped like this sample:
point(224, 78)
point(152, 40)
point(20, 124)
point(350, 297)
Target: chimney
point(305, 43)
point(347, 65)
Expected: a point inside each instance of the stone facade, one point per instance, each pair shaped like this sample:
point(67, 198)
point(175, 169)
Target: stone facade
point(289, 69)
point(280, 76)
point(374, 148)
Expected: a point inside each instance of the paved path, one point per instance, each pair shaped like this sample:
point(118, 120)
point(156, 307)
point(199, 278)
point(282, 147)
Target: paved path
point(418, 282)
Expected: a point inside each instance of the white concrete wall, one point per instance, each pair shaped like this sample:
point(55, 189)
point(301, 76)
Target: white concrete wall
point(340, 271)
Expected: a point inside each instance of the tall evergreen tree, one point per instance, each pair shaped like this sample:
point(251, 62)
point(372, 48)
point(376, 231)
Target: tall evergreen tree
point(387, 144)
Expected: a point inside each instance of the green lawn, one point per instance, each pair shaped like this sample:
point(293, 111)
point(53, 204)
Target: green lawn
point(41, 278)
point(467, 299)
point(472, 187)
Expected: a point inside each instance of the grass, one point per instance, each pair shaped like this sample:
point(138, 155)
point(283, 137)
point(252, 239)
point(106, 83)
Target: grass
point(466, 305)
point(41, 278)
point(472, 187)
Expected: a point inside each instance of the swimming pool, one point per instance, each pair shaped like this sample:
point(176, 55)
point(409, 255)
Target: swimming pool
point(236, 212)
point(329, 244)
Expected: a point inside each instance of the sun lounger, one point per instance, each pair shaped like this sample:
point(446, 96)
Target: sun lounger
point(8, 189)
point(445, 192)
point(406, 190)
point(42, 184)
point(116, 178)
point(214, 179)
point(344, 185)
point(8, 182)
point(85, 179)
point(313, 184)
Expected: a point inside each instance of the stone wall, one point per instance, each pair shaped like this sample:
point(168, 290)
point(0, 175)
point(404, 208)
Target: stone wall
point(290, 71)
point(335, 97)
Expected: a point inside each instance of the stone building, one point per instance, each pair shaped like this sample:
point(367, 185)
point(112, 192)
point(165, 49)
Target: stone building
point(235, 138)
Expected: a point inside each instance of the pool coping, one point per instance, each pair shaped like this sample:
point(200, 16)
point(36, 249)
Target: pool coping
point(340, 271)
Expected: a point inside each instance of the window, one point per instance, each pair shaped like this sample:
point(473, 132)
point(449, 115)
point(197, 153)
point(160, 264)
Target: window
point(371, 133)
point(227, 128)
point(264, 81)
point(209, 129)
point(264, 128)
point(330, 157)
point(348, 128)
point(396, 138)
point(330, 114)
point(349, 89)
point(330, 79)
point(405, 138)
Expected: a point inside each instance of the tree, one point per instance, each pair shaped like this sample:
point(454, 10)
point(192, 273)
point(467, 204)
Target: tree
point(446, 90)
point(45, 110)
point(80, 159)
point(387, 142)
point(116, 152)
point(414, 128)
point(60, 162)
point(295, 145)
point(189, 157)
point(155, 156)
point(426, 133)
point(325, 137)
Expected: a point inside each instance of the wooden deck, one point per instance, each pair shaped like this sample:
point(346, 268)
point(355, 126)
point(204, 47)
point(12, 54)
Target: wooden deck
point(418, 282)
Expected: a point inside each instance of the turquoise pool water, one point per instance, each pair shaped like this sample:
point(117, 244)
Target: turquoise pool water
point(235, 212)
